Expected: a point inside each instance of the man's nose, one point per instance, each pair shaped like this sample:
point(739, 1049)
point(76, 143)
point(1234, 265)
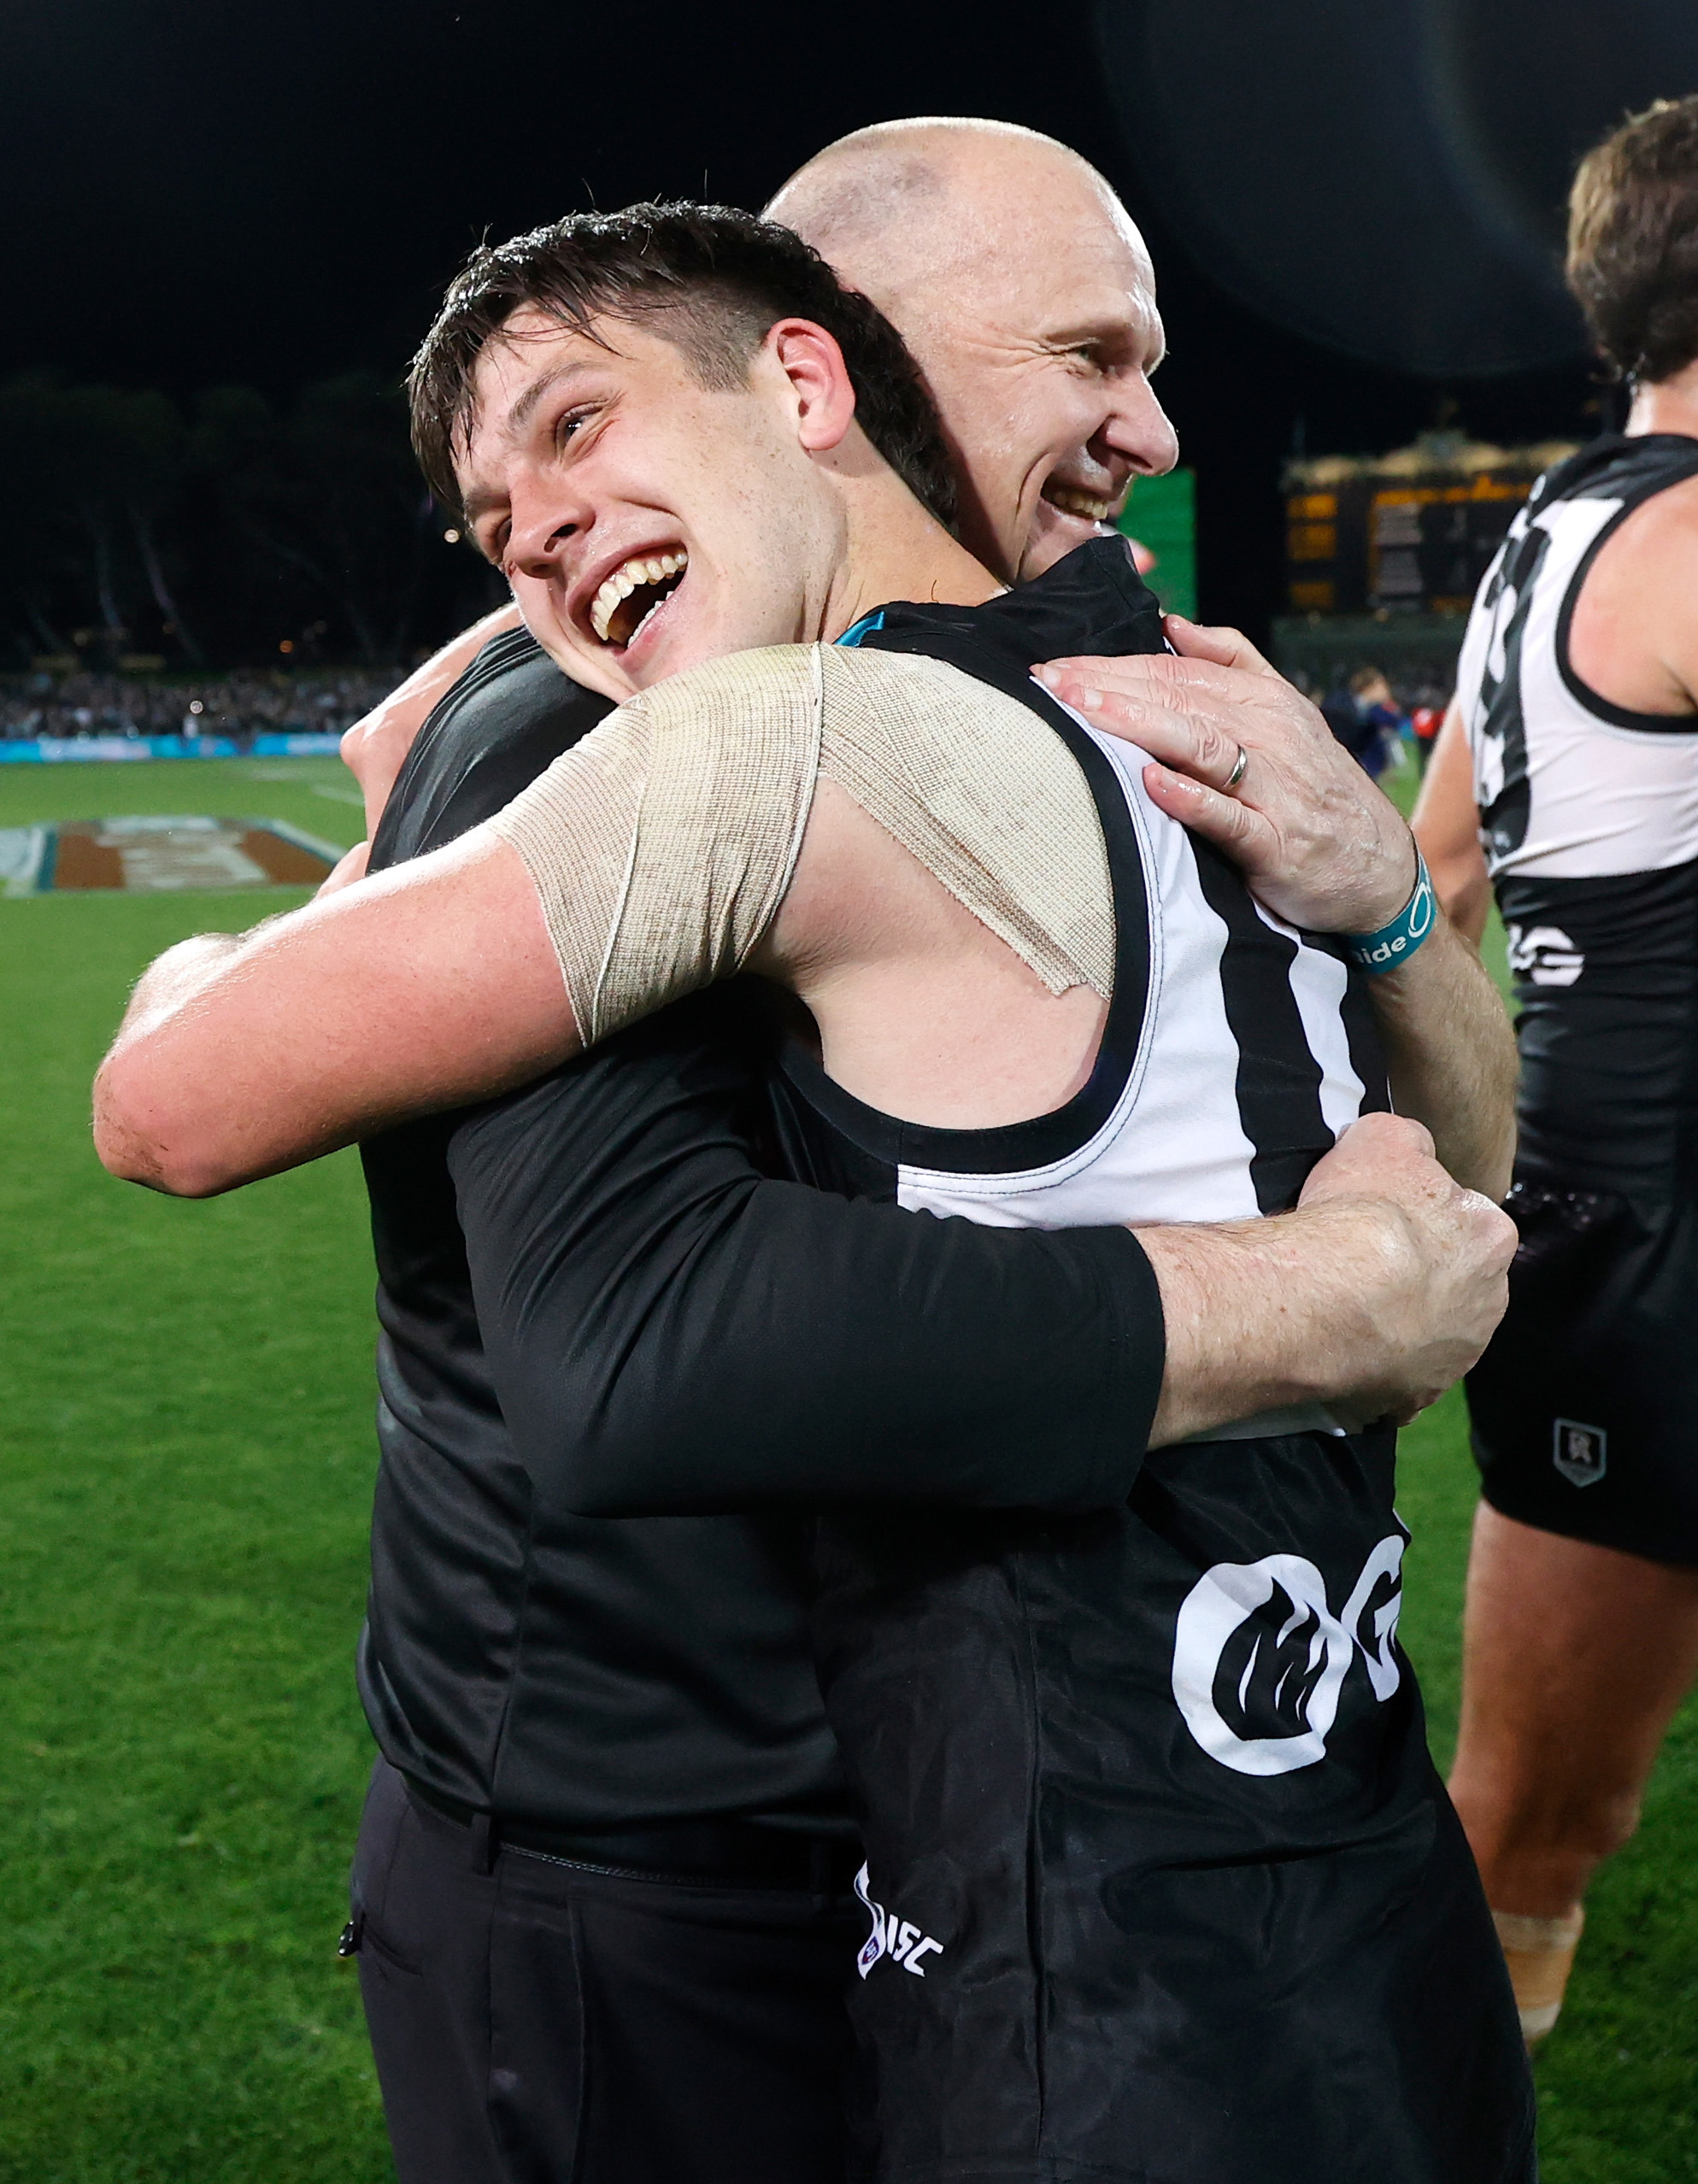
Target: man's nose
point(543, 526)
point(1137, 430)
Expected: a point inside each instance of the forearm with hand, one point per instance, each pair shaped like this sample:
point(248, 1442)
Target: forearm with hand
point(1325, 849)
point(1372, 1297)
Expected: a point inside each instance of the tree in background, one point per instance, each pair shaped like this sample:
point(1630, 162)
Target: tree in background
point(245, 532)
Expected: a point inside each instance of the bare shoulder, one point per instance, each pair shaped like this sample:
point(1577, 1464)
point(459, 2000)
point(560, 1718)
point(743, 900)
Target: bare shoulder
point(1633, 638)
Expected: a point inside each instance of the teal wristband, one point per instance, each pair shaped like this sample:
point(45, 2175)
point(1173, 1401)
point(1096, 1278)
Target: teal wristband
point(1392, 946)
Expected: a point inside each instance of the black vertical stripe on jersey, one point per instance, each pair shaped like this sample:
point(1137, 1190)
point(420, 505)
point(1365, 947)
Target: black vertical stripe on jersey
point(1361, 1029)
point(1505, 819)
point(1278, 1079)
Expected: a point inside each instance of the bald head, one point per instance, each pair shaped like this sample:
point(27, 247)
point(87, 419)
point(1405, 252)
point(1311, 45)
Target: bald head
point(905, 202)
point(1023, 289)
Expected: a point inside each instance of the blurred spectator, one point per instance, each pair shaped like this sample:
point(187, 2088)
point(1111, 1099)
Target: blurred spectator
point(1424, 723)
point(1366, 719)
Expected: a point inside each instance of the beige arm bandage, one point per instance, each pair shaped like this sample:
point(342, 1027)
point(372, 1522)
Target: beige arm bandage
point(662, 845)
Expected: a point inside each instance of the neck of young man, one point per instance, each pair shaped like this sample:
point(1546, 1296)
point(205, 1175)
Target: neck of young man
point(1668, 405)
point(895, 549)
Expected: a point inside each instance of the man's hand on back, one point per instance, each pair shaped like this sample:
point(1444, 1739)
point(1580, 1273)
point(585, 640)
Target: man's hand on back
point(1321, 844)
point(1373, 1296)
point(1446, 1262)
point(374, 749)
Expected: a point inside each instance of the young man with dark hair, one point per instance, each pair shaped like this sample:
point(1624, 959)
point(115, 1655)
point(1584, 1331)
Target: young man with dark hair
point(990, 918)
point(1566, 777)
point(723, 278)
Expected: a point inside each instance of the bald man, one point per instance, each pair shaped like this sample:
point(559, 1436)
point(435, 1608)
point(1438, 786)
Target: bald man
point(1018, 280)
point(597, 1904)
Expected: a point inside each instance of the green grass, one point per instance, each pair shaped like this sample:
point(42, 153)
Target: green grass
point(185, 1460)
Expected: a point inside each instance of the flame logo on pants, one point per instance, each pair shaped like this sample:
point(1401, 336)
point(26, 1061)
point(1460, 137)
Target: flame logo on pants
point(1260, 1659)
point(898, 1939)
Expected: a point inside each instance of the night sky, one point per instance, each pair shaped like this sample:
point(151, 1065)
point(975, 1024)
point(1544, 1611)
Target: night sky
point(207, 190)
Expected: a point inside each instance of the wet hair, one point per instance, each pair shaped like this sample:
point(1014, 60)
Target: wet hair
point(1633, 241)
point(714, 281)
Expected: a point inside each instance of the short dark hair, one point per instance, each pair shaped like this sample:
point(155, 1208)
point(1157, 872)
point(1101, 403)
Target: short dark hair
point(1633, 241)
point(718, 279)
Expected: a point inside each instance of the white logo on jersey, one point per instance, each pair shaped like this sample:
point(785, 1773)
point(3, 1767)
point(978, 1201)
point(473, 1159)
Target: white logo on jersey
point(903, 1944)
point(1580, 1453)
point(1231, 1657)
point(1545, 954)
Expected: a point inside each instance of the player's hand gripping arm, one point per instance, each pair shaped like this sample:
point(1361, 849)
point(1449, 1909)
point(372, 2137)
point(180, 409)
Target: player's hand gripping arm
point(1373, 1296)
point(1323, 849)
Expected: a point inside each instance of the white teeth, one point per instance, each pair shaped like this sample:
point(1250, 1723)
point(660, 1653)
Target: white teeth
point(626, 580)
point(1078, 503)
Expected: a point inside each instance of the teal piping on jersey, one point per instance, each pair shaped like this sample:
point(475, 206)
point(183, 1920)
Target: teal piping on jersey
point(865, 627)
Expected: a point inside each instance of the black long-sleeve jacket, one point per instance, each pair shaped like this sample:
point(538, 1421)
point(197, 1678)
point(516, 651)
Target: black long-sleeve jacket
point(621, 1359)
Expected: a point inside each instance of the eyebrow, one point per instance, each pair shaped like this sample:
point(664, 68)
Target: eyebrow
point(520, 415)
point(475, 505)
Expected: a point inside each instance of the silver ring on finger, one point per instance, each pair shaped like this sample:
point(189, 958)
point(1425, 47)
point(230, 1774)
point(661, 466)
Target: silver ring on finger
point(1237, 773)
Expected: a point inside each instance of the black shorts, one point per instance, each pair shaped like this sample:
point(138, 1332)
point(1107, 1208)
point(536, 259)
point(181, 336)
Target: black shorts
point(1163, 1888)
point(1585, 1409)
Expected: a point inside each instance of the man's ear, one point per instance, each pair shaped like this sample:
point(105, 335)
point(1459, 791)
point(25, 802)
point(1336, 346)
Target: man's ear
point(812, 364)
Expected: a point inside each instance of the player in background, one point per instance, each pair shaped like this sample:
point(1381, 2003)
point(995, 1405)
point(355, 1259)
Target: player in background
point(1565, 777)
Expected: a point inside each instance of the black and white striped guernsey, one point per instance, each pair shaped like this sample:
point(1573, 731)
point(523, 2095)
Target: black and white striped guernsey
point(1235, 1048)
point(1589, 816)
point(1159, 1880)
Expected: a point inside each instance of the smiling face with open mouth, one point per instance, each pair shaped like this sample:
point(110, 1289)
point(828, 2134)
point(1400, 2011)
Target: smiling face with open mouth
point(646, 522)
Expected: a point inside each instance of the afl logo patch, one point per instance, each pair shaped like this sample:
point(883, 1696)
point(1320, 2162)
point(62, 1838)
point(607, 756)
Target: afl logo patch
point(1580, 1453)
point(1259, 1657)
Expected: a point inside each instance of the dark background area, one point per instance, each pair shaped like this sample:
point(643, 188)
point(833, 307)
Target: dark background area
point(201, 194)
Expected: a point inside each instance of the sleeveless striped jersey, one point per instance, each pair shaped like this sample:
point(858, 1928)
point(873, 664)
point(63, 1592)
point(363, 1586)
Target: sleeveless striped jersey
point(1588, 817)
point(1236, 1047)
point(1128, 1782)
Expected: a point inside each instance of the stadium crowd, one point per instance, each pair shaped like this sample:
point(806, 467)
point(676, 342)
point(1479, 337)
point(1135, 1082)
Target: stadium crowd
point(236, 705)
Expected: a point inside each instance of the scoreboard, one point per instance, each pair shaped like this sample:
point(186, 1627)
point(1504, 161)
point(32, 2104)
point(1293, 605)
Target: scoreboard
point(1410, 532)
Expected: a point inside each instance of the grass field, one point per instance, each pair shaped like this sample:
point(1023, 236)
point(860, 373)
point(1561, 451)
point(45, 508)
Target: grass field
point(187, 1459)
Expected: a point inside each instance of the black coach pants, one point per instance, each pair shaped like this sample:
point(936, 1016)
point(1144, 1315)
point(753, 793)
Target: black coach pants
point(544, 2023)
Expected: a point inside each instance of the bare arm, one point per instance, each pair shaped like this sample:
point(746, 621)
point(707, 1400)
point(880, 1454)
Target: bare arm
point(374, 749)
point(1447, 825)
point(417, 991)
point(1325, 849)
point(1378, 1290)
